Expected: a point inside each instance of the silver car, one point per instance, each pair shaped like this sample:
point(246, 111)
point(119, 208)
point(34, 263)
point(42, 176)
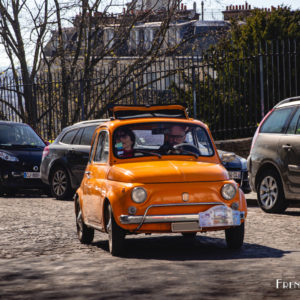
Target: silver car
point(274, 160)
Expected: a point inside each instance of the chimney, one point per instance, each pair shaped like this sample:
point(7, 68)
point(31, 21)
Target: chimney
point(194, 6)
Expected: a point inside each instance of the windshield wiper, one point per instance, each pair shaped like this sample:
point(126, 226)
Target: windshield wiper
point(148, 152)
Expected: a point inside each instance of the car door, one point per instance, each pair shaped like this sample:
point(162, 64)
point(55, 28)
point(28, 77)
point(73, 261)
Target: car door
point(78, 152)
point(289, 153)
point(94, 178)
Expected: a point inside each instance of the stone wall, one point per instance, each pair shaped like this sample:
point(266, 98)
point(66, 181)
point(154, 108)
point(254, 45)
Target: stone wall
point(239, 146)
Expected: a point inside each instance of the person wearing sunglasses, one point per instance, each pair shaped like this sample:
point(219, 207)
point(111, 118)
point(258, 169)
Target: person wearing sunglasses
point(173, 136)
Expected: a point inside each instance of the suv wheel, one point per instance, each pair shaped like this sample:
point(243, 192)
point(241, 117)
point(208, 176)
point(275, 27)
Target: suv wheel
point(270, 194)
point(60, 184)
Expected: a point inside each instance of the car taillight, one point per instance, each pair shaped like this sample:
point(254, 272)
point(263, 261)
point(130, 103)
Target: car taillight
point(45, 152)
point(258, 128)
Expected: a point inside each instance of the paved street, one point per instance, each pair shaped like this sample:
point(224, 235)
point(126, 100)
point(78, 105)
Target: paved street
point(41, 258)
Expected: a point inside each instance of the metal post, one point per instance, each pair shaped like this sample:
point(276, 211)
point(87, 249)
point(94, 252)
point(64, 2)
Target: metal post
point(261, 73)
point(82, 99)
point(134, 92)
point(194, 91)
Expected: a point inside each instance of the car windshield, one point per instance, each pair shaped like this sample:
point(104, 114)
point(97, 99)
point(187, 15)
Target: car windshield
point(161, 138)
point(19, 135)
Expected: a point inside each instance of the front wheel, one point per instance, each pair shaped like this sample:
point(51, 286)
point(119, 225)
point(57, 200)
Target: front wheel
point(235, 236)
point(85, 234)
point(270, 194)
point(116, 235)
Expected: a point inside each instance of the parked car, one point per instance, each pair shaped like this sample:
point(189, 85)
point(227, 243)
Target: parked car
point(274, 160)
point(158, 186)
point(237, 169)
point(64, 161)
point(21, 151)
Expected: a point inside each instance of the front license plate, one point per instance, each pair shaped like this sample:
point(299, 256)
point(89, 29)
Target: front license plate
point(234, 174)
point(219, 216)
point(32, 175)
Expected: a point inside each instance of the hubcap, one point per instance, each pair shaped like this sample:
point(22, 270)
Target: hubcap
point(268, 192)
point(59, 182)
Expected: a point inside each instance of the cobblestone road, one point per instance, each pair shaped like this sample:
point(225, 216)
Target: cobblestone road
point(41, 258)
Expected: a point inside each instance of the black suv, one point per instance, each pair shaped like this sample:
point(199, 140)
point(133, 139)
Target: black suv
point(64, 161)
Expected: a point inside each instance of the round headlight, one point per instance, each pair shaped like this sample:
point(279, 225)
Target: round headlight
point(139, 195)
point(228, 191)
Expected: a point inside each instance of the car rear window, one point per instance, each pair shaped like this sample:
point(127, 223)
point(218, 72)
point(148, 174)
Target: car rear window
point(68, 137)
point(294, 124)
point(87, 135)
point(276, 123)
point(76, 140)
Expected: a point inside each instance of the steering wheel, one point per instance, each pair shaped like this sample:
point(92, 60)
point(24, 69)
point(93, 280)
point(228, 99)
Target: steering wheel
point(187, 147)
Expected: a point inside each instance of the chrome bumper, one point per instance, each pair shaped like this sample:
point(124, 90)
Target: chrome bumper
point(126, 219)
point(163, 218)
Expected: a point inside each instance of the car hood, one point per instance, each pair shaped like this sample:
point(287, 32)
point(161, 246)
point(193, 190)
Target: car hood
point(26, 154)
point(167, 171)
point(238, 162)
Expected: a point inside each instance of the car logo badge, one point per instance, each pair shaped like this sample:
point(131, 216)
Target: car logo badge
point(185, 197)
point(35, 168)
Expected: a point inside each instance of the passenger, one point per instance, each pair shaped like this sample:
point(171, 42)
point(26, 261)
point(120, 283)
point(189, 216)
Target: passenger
point(125, 140)
point(173, 136)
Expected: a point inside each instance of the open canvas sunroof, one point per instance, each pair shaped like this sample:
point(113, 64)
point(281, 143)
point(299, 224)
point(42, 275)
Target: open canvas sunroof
point(161, 111)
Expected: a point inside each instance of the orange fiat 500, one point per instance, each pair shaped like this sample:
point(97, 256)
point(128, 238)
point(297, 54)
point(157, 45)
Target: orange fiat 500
point(154, 170)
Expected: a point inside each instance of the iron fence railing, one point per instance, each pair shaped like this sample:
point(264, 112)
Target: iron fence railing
point(230, 91)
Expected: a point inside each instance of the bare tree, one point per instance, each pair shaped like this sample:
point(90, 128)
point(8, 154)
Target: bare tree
point(22, 44)
point(89, 46)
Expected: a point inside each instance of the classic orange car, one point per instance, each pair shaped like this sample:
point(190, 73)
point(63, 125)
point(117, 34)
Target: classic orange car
point(152, 169)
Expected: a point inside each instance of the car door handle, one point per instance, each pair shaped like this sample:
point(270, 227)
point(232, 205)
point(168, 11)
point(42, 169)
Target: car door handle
point(287, 147)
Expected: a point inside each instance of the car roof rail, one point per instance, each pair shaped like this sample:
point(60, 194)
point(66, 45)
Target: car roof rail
point(287, 100)
point(91, 121)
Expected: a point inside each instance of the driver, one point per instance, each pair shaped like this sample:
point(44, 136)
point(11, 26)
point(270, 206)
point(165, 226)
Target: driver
point(173, 136)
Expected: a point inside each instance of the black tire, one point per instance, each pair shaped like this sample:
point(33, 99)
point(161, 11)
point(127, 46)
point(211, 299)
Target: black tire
point(85, 234)
point(60, 184)
point(116, 235)
point(235, 236)
point(270, 195)
point(189, 235)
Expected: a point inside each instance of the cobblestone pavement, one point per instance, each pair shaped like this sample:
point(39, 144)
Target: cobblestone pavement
point(41, 258)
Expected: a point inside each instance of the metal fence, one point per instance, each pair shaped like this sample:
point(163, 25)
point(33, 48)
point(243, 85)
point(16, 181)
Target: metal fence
point(230, 91)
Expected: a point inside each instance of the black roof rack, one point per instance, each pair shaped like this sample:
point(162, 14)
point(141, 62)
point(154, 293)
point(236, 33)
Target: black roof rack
point(287, 100)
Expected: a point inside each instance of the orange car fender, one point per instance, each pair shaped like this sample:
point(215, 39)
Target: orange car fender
point(243, 202)
point(118, 194)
